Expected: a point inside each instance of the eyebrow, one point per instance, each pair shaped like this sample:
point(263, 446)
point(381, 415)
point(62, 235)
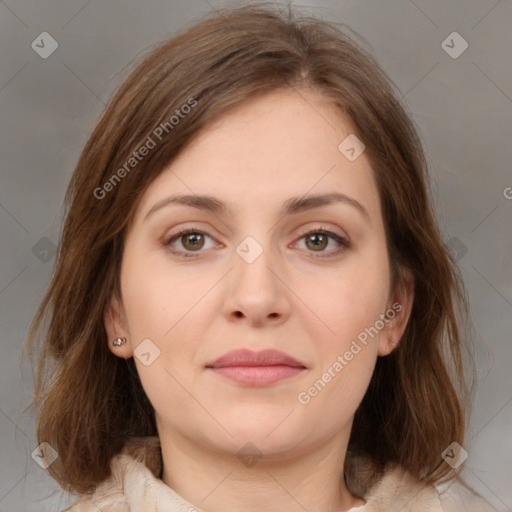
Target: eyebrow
point(291, 206)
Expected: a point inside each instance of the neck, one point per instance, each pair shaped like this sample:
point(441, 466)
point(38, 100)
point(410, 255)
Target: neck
point(215, 481)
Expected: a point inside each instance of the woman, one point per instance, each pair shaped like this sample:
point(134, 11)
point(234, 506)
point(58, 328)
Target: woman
point(252, 307)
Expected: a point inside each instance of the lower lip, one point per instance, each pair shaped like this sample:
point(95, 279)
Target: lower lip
point(258, 375)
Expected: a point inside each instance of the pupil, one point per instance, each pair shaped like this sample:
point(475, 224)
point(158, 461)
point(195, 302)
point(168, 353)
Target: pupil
point(318, 240)
point(193, 239)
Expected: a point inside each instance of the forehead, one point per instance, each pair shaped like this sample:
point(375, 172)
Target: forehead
point(266, 150)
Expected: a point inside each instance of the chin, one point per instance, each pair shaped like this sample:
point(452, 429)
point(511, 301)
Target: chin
point(254, 446)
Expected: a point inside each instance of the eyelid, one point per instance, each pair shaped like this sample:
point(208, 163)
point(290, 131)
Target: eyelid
point(168, 239)
point(324, 229)
point(342, 240)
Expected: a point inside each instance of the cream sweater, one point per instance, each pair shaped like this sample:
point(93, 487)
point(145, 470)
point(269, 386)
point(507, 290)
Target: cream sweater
point(134, 486)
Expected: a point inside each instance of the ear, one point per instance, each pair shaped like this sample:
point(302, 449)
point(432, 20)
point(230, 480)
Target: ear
point(398, 313)
point(117, 327)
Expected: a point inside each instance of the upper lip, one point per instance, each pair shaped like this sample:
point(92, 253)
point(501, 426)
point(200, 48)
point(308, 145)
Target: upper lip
point(245, 357)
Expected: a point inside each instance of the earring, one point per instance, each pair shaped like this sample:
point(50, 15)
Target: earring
point(119, 342)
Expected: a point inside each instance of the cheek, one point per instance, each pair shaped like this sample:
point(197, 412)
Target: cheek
point(336, 393)
point(351, 298)
point(349, 302)
point(167, 315)
point(157, 296)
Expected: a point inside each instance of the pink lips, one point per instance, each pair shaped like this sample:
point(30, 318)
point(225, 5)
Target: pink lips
point(256, 368)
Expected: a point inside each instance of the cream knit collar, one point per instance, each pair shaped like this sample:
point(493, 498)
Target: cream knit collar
point(135, 486)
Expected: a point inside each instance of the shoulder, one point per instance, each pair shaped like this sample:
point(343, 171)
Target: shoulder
point(115, 493)
point(133, 469)
point(396, 489)
point(455, 496)
point(134, 483)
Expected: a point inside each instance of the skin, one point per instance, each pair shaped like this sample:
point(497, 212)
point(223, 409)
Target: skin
point(195, 309)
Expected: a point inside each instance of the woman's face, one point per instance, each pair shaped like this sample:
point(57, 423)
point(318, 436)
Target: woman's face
point(250, 278)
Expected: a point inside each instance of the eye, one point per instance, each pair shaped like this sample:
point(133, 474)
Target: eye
point(191, 239)
point(318, 239)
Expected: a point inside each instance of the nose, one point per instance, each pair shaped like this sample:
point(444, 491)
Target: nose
point(257, 294)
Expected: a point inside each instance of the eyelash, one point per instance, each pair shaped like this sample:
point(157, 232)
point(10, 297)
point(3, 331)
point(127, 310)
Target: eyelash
point(345, 244)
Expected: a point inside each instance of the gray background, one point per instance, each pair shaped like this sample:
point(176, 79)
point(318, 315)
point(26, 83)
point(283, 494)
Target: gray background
point(462, 107)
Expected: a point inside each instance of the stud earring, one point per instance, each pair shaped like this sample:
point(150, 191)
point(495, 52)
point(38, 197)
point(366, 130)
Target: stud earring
point(119, 341)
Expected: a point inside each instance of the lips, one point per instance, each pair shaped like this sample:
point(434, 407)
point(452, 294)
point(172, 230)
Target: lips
point(246, 357)
point(249, 368)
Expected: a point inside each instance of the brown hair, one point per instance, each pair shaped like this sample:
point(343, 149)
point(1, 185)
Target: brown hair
point(90, 400)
